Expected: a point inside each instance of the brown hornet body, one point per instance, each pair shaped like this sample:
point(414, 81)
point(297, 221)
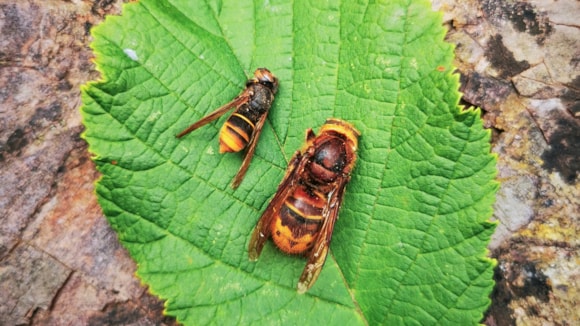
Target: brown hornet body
point(301, 216)
point(244, 126)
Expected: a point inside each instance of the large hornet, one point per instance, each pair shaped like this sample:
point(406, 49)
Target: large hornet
point(244, 126)
point(301, 216)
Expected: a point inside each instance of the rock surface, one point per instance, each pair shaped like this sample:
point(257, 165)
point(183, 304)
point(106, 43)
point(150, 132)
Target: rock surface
point(60, 262)
point(520, 62)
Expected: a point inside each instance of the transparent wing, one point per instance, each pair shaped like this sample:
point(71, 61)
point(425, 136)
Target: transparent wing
point(317, 255)
point(250, 152)
point(289, 182)
point(235, 103)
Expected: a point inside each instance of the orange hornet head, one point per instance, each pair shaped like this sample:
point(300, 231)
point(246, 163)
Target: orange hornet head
point(342, 127)
point(266, 78)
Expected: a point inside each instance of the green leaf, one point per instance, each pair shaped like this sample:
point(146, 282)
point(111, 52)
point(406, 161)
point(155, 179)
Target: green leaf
point(409, 247)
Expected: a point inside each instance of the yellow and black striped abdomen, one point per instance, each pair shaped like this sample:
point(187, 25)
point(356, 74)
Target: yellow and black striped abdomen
point(236, 133)
point(298, 222)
